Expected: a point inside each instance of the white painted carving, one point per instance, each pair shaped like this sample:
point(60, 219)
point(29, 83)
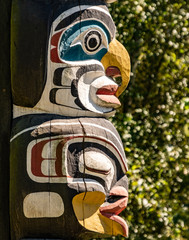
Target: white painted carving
point(97, 164)
point(43, 205)
point(65, 102)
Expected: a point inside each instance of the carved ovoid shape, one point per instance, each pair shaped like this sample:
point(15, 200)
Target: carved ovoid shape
point(43, 205)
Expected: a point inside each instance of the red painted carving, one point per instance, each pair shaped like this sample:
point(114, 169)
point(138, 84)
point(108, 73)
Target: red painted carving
point(54, 51)
point(37, 159)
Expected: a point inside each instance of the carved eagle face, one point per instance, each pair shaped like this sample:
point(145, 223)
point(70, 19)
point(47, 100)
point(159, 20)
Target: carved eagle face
point(83, 57)
point(87, 158)
point(65, 58)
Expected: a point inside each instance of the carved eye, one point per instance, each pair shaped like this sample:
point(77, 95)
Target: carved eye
point(92, 40)
point(95, 162)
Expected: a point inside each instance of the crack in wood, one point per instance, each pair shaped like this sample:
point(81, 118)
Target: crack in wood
point(84, 162)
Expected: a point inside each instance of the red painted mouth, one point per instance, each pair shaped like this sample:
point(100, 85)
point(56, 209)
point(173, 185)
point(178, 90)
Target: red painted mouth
point(112, 210)
point(107, 90)
point(107, 94)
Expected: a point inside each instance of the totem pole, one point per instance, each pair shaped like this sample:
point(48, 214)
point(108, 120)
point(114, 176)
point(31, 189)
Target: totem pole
point(67, 162)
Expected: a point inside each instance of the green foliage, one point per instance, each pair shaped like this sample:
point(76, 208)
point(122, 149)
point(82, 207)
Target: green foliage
point(153, 121)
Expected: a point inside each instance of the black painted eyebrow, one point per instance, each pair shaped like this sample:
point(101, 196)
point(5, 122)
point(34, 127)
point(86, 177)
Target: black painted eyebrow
point(84, 69)
point(88, 14)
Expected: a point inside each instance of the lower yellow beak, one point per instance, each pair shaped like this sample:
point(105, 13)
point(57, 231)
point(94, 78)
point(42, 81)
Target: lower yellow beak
point(86, 207)
point(117, 56)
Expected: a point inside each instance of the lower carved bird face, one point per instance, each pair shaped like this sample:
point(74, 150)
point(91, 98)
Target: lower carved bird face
point(84, 58)
point(74, 168)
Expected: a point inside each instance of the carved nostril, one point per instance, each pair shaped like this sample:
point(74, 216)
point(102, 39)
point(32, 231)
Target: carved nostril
point(113, 72)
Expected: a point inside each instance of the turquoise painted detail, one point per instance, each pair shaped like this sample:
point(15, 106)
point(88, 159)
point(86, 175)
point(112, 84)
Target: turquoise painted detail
point(76, 52)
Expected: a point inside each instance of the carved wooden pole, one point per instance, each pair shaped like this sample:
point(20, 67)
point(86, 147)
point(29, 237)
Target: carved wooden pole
point(5, 119)
point(67, 163)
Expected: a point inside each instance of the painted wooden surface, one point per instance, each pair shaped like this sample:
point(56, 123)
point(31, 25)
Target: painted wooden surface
point(53, 160)
point(67, 162)
point(64, 50)
point(5, 106)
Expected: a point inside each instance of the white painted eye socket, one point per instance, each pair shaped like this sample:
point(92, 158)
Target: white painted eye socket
point(95, 162)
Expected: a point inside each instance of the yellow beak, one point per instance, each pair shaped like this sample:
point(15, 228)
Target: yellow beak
point(117, 56)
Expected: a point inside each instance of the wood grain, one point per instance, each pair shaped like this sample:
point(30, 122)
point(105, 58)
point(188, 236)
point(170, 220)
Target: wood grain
point(5, 118)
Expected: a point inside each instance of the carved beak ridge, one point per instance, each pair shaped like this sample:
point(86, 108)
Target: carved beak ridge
point(117, 57)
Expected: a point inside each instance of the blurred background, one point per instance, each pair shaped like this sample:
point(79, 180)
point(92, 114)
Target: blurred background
point(154, 119)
